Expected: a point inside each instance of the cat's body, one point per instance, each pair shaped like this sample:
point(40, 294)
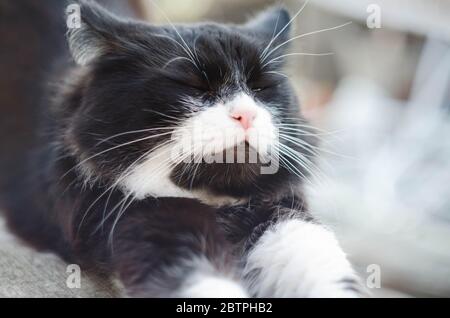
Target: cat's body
point(108, 188)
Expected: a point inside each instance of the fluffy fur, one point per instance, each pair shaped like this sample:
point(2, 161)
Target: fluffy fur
point(106, 188)
point(282, 271)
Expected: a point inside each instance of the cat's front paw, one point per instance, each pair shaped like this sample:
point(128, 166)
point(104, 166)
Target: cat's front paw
point(300, 259)
point(212, 287)
point(345, 288)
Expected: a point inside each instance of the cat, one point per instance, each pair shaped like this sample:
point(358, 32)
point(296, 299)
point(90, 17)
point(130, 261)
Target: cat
point(116, 183)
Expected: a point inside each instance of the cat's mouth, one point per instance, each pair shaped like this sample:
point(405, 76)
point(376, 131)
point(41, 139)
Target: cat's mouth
point(233, 169)
point(218, 177)
point(240, 153)
point(231, 145)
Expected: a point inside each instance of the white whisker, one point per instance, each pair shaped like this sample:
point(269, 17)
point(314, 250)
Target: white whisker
point(132, 133)
point(304, 35)
point(177, 59)
point(263, 54)
point(186, 46)
point(111, 149)
point(301, 160)
point(279, 58)
point(319, 149)
point(122, 210)
point(147, 110)
point(277, 73)
point(117, 182)
point(304, 145)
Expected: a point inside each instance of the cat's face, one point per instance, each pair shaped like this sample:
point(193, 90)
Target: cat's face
point(159, 106)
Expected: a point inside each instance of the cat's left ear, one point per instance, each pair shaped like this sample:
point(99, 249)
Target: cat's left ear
point(99, 33)
point(272, 22)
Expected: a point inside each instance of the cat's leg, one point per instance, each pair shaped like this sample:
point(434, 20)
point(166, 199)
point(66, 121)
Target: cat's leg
point(298, 258)
point(170, 248)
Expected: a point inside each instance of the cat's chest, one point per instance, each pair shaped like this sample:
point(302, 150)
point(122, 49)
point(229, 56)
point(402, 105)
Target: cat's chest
point(152, 178)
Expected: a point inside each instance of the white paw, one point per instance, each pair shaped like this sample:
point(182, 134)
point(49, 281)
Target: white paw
point(299, 259)
point(213, 287)
point(333, 292)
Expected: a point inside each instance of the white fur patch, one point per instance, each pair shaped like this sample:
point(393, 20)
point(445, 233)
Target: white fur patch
point(213, 287)
point(214, 130)
point(210, 131)
point(152, 177)
point(207, 282)
point(299, 259)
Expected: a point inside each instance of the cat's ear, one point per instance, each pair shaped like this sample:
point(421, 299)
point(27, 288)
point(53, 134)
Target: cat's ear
point(272, 22)
point(97, 33)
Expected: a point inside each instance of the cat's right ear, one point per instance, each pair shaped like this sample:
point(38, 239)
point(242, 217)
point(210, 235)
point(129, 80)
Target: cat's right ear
point(97, 32)
point(275, 21)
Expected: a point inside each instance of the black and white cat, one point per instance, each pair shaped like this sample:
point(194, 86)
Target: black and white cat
point(111, 191)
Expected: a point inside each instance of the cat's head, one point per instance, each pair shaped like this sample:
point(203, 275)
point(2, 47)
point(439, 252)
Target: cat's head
point(156, 106)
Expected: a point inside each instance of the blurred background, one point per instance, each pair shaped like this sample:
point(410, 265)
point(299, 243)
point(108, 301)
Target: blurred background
point(380, 103)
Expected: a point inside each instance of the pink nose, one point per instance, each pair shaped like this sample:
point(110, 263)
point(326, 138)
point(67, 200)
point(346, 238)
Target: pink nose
point(245, 117)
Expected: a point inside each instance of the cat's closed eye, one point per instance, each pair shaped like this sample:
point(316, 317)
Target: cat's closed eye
point(187, 75)
point(189, 80)
point(263, 83)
